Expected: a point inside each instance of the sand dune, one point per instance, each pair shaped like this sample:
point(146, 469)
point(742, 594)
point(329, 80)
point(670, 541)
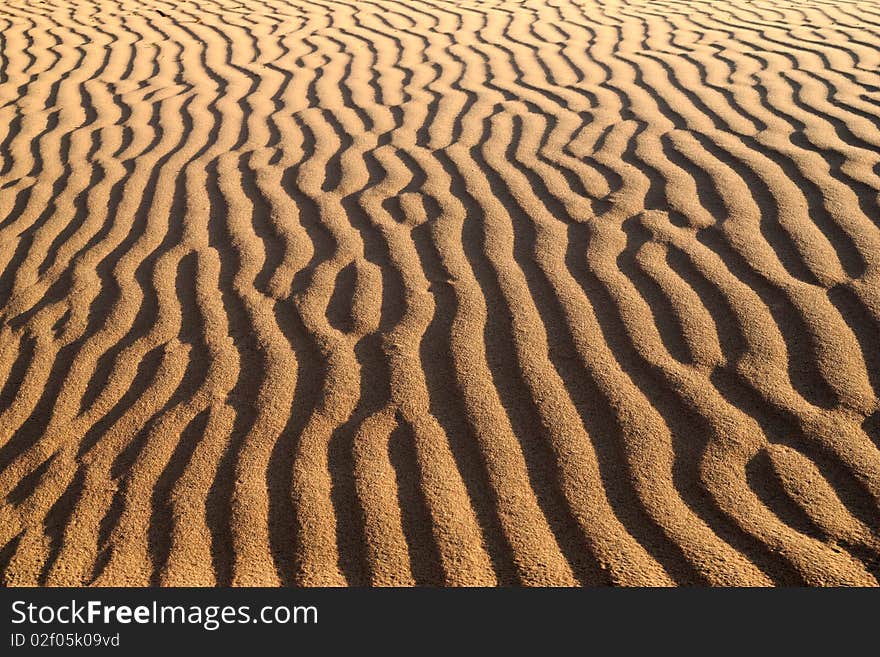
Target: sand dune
point(329, 292)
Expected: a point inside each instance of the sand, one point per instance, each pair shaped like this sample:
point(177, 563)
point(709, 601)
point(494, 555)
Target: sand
point(429, 292)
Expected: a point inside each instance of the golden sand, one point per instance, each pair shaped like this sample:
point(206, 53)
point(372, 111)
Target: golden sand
point(541, 292)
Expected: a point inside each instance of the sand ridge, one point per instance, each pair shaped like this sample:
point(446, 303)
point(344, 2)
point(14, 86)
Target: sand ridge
point(541, 292)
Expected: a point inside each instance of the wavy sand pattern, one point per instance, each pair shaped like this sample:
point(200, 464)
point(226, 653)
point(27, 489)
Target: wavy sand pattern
point(431, 292)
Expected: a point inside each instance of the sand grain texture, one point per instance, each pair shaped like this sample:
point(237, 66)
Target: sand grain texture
point(423, 292)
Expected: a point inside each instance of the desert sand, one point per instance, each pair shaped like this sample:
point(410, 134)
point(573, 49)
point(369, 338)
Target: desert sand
point(429, 292)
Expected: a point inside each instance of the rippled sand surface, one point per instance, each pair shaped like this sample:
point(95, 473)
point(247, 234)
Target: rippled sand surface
point(429, 292)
